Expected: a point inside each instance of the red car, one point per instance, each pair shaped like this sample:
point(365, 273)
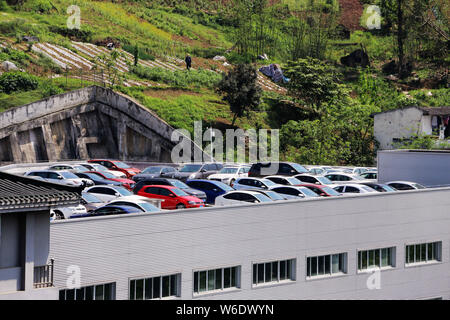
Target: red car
point(321, 190)
point(173, 197)
point(117, 166)
point(127, 183)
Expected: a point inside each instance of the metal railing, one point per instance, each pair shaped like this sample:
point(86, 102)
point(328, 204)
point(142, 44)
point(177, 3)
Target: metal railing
point(43, 275)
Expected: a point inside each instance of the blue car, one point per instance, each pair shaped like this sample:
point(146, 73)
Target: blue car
point(212, 188)
point(108, 210)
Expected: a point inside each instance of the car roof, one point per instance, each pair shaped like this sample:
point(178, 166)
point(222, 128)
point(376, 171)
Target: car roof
point(104, 186)
point(124, 207)
point(252, 192)
point(159, 186)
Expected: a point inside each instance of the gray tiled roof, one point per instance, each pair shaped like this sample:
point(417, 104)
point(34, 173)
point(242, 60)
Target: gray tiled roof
point(19, 192)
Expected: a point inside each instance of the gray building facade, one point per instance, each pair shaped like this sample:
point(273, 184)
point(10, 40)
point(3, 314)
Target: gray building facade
point(307, 233)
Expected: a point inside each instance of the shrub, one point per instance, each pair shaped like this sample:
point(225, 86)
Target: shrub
point(17, 81)
point(49, 89)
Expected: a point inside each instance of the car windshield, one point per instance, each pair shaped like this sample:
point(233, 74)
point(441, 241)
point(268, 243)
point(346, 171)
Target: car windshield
point(179, 192)
point(152, 170)
point(80, 168)
point(68, 175)
point(308, 193)
point(324, 180)
point(90, 198)
point(107, 175)
point(179, 184)
point(191, 168)
point(268, 182)
point(262, 198)
point(121, 165)
point(274, 196)
point(148, 207)
point(418, 186)
point(293, 180)
point(387, 188)
point(228, 170)
point(299, 168)
point(99, 167)
point(368, 189)
point(124, 192)
point(330, 191)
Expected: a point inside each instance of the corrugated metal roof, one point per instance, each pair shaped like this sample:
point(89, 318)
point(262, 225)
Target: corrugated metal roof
point(19, 192)
point(434, 111)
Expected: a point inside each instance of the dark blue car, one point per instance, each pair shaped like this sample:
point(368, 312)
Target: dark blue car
point(212, 188)
point(108, 210)
point(97, 179)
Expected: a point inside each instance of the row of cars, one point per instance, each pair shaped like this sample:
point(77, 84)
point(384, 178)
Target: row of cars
point(113, 187)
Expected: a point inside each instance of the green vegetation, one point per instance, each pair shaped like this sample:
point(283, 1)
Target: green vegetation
point(17, 81)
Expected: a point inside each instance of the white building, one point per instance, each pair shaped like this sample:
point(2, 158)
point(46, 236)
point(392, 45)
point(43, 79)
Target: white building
point(396, 125)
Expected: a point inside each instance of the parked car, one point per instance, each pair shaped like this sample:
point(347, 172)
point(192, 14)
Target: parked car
point(60, 213)
point(173, 197)
point(253, 183)
point(298, 192)
point(405, 185)
point(99, 167)
point(97, 179)
point(279, 168)
point(353, 188)
point(343, 177)
point(156, 172)
point(380, 187)
point(127, 183)
point(107, 211)
point(197, 171)
point(74, 168)
point(316, 170)
point(212, 188)
point(274, 196)
point(311, 179)
point(139, 204)
point(369, 175)
point(240, 197)
point(62, 177)
point(115, 165)
point(170, 182)
point(359, 170)
point(284, 180)
point(109, 193)
point(91, 202)
point(229, 174)
point(321, 190)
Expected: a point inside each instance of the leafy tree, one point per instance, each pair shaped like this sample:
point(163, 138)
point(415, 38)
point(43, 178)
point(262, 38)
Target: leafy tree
point(312, 83)
point(136, 55)
point(240, 89)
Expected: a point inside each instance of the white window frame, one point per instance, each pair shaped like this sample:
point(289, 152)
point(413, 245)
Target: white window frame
point(278, 281)
point(331, 274)
point(178, 286)
point(371, 268)
point(438, 257)
point(222, 289)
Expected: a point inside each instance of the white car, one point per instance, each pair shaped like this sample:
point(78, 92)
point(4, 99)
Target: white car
point(229, 174)
point(353, 188)
point(67, 167)
point(108, 193)
point(341, 177)
point(99, 167)
point(240, 197)
point(284, 180)
point(60, 213)
point(62, 177)
point(137, 203)
point(253, 183)
point(405, 185)
point(294, 192)
point(313, 179)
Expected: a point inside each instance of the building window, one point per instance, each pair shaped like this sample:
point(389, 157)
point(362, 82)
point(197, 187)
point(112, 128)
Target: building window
point(376, 258)
point(216, 279)
point(423, 252)
point(155, 288)
point(326, 265)
point(273, 272)
point(105, 291)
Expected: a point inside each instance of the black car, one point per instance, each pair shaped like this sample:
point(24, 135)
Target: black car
point(169, 182)
point(261, 169)
point(197, 171)
point(156, 172)
point(380, 187)
point(97, 179)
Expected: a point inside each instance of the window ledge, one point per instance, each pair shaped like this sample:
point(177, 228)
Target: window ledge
point(215, 292)
point(371, 270)
point(272, 284)
point(422, 263)
point(326, 276)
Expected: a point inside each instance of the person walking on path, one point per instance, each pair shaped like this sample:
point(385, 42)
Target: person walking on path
point(188, 61)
